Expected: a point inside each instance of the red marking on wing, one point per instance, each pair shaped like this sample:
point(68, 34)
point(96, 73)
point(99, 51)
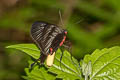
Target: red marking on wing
point(51, 50)
point(63, 41)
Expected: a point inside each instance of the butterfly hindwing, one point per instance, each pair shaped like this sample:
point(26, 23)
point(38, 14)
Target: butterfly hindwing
point(46, 36)
point(56, 42)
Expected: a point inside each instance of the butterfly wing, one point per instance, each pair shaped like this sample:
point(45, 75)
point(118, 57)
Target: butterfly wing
point(45, 35)
point(56, 42)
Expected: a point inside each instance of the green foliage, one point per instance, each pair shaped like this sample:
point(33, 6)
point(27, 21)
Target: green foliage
point(105, 63)
point(98, 28)
point(38, 74)
point(101, 64)
point(18, 18)
point(30, 49)
point(47, 3)
point(68, 68)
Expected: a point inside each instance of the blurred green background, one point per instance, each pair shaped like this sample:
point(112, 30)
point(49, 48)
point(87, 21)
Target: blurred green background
point(91, 24)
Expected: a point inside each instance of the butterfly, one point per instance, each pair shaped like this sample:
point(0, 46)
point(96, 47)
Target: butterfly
point(48, 37)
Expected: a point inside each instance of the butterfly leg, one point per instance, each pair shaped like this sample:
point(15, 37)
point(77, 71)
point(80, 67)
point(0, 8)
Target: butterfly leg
point(41, 59)
point(69, 48)
point(31, 66)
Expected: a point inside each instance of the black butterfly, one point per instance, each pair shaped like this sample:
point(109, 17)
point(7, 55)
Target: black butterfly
point(48, 38)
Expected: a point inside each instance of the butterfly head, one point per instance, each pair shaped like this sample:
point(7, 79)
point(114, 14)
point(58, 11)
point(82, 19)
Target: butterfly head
point(65, 32)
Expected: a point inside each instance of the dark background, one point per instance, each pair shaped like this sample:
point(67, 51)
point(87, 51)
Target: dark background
point(91, 24)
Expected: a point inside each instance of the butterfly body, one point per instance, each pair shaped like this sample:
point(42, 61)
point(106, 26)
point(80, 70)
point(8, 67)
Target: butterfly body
point(48, 38)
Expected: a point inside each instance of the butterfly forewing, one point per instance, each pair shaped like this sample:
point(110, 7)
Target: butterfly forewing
point(46, 36)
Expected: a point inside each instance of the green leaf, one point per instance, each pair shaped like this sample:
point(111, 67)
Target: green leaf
point(86, 69)
point(38, 74)
point(68, 68)
point(105, 64)
point(29, 49)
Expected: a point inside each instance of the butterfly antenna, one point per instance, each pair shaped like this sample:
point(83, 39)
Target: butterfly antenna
point(60, 15)
point(79, 21)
